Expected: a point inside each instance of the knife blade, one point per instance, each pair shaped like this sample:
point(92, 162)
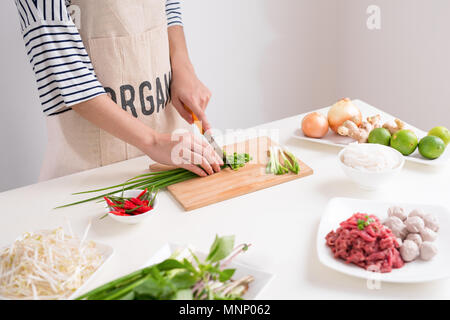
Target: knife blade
point(198, 127)
point(214, 144)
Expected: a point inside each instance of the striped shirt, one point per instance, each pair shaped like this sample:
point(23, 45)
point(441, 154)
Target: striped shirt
point(64, 72)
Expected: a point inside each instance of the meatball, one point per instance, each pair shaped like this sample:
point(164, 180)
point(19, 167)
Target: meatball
point(409, 251)
point(431, 222)
point(428, 251)
point(428, 235)
point(414, 224)
point(417, 213)
point(415, 237)
point(398, 212)
point(397, 227)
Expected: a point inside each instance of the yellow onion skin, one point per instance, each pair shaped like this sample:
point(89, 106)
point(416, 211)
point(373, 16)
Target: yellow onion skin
point(315, 125)
point(342, 111)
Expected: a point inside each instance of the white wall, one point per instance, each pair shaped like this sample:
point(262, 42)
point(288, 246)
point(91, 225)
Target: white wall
point(22, 126)
point(263, 59)
point(404, 68)
point(266, 60)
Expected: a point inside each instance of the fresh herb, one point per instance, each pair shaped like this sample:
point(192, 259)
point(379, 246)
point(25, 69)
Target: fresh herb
point(362, 224)
point(158, 180)
point(281, 162)
point(181, 277)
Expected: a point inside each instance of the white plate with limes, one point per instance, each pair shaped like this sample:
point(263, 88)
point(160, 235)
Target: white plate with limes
point(367, 110)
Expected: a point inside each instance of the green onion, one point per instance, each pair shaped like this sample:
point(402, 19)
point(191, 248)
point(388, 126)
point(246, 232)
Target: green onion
point(288, 162)
point(157, 180)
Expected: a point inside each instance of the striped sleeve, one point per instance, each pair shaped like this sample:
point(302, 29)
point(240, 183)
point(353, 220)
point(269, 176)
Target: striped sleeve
point(64, 72)
point(173, 11)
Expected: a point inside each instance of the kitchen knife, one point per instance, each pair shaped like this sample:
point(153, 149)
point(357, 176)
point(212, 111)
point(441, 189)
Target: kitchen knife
point(208, 136)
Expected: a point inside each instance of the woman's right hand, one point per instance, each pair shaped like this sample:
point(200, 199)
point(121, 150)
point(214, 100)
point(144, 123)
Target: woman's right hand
point(186, 151)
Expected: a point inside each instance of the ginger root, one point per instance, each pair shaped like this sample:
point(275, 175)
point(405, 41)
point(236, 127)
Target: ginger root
point(394, 128)
point(350, 129)
point(360, 134)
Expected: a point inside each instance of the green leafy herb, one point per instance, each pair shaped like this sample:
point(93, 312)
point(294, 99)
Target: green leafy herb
point(181, 279)
point(362, 224)
point(220, 249)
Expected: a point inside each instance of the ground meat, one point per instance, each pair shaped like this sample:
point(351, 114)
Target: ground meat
point(415, 237)
point(428, 251)
point(417, 213)
point(431, 222)
point(374, 248)
point(414, 224)
point(397, 227)
point(428, 235)
point(398, 212)
point(409, 251)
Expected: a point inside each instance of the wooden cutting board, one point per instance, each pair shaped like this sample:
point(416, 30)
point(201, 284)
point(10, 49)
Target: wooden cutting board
point(227, 184)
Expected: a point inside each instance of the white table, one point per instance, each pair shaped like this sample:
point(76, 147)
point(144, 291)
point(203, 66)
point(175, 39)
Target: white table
point(280, 222)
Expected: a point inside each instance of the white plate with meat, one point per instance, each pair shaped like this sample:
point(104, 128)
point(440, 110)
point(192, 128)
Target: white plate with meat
point(418, 271)
point(367, 110)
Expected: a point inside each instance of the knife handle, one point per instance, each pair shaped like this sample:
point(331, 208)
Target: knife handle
point(197, 122)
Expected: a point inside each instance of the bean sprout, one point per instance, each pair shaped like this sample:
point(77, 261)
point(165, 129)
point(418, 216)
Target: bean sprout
point(47, 265)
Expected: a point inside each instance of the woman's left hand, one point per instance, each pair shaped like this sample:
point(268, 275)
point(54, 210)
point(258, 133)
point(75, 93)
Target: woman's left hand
point(188, 91)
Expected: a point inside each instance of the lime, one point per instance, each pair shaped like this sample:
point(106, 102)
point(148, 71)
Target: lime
point(441, 132)
point(405, 141)
point(380, 136)
point(431, 147)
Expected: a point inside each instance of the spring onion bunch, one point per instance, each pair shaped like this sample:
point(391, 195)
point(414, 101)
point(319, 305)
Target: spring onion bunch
point(158, 180)
point(282, 161)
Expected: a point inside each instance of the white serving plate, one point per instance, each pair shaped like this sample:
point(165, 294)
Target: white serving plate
point(367, 110)
point(262, 279)
point(107, 252)
point(340, 209)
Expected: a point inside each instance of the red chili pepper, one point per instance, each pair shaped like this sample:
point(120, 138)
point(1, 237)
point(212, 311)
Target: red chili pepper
point(142, 193)
point(128, 205)
point(117, 213)
point(121, 210)
point(143, 209)
point(137, 202)
point(109, 202)
point(134, 211)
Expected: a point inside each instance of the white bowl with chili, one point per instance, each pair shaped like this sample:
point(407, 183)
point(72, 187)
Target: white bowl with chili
point(131, 206)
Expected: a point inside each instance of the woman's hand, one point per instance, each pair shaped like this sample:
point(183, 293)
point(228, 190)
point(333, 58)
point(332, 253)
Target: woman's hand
point(185, 151)
point(188, 91)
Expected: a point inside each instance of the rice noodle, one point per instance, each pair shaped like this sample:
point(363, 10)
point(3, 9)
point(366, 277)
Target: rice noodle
point(367, 158)
point(47, 265)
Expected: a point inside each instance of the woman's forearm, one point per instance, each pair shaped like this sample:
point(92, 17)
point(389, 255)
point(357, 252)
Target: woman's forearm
point(105, 114)
point(179, 56)
point(186, 89)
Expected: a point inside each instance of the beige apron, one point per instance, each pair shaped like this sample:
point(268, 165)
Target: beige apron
point(128, 44)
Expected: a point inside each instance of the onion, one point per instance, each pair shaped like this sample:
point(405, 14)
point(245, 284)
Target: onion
point(315, 125)
point(342, 111)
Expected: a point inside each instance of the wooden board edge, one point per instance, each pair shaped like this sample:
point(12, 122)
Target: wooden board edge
point(308, 171)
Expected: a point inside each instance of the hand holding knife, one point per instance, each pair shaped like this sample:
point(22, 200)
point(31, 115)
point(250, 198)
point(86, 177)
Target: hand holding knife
point(208, 136)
